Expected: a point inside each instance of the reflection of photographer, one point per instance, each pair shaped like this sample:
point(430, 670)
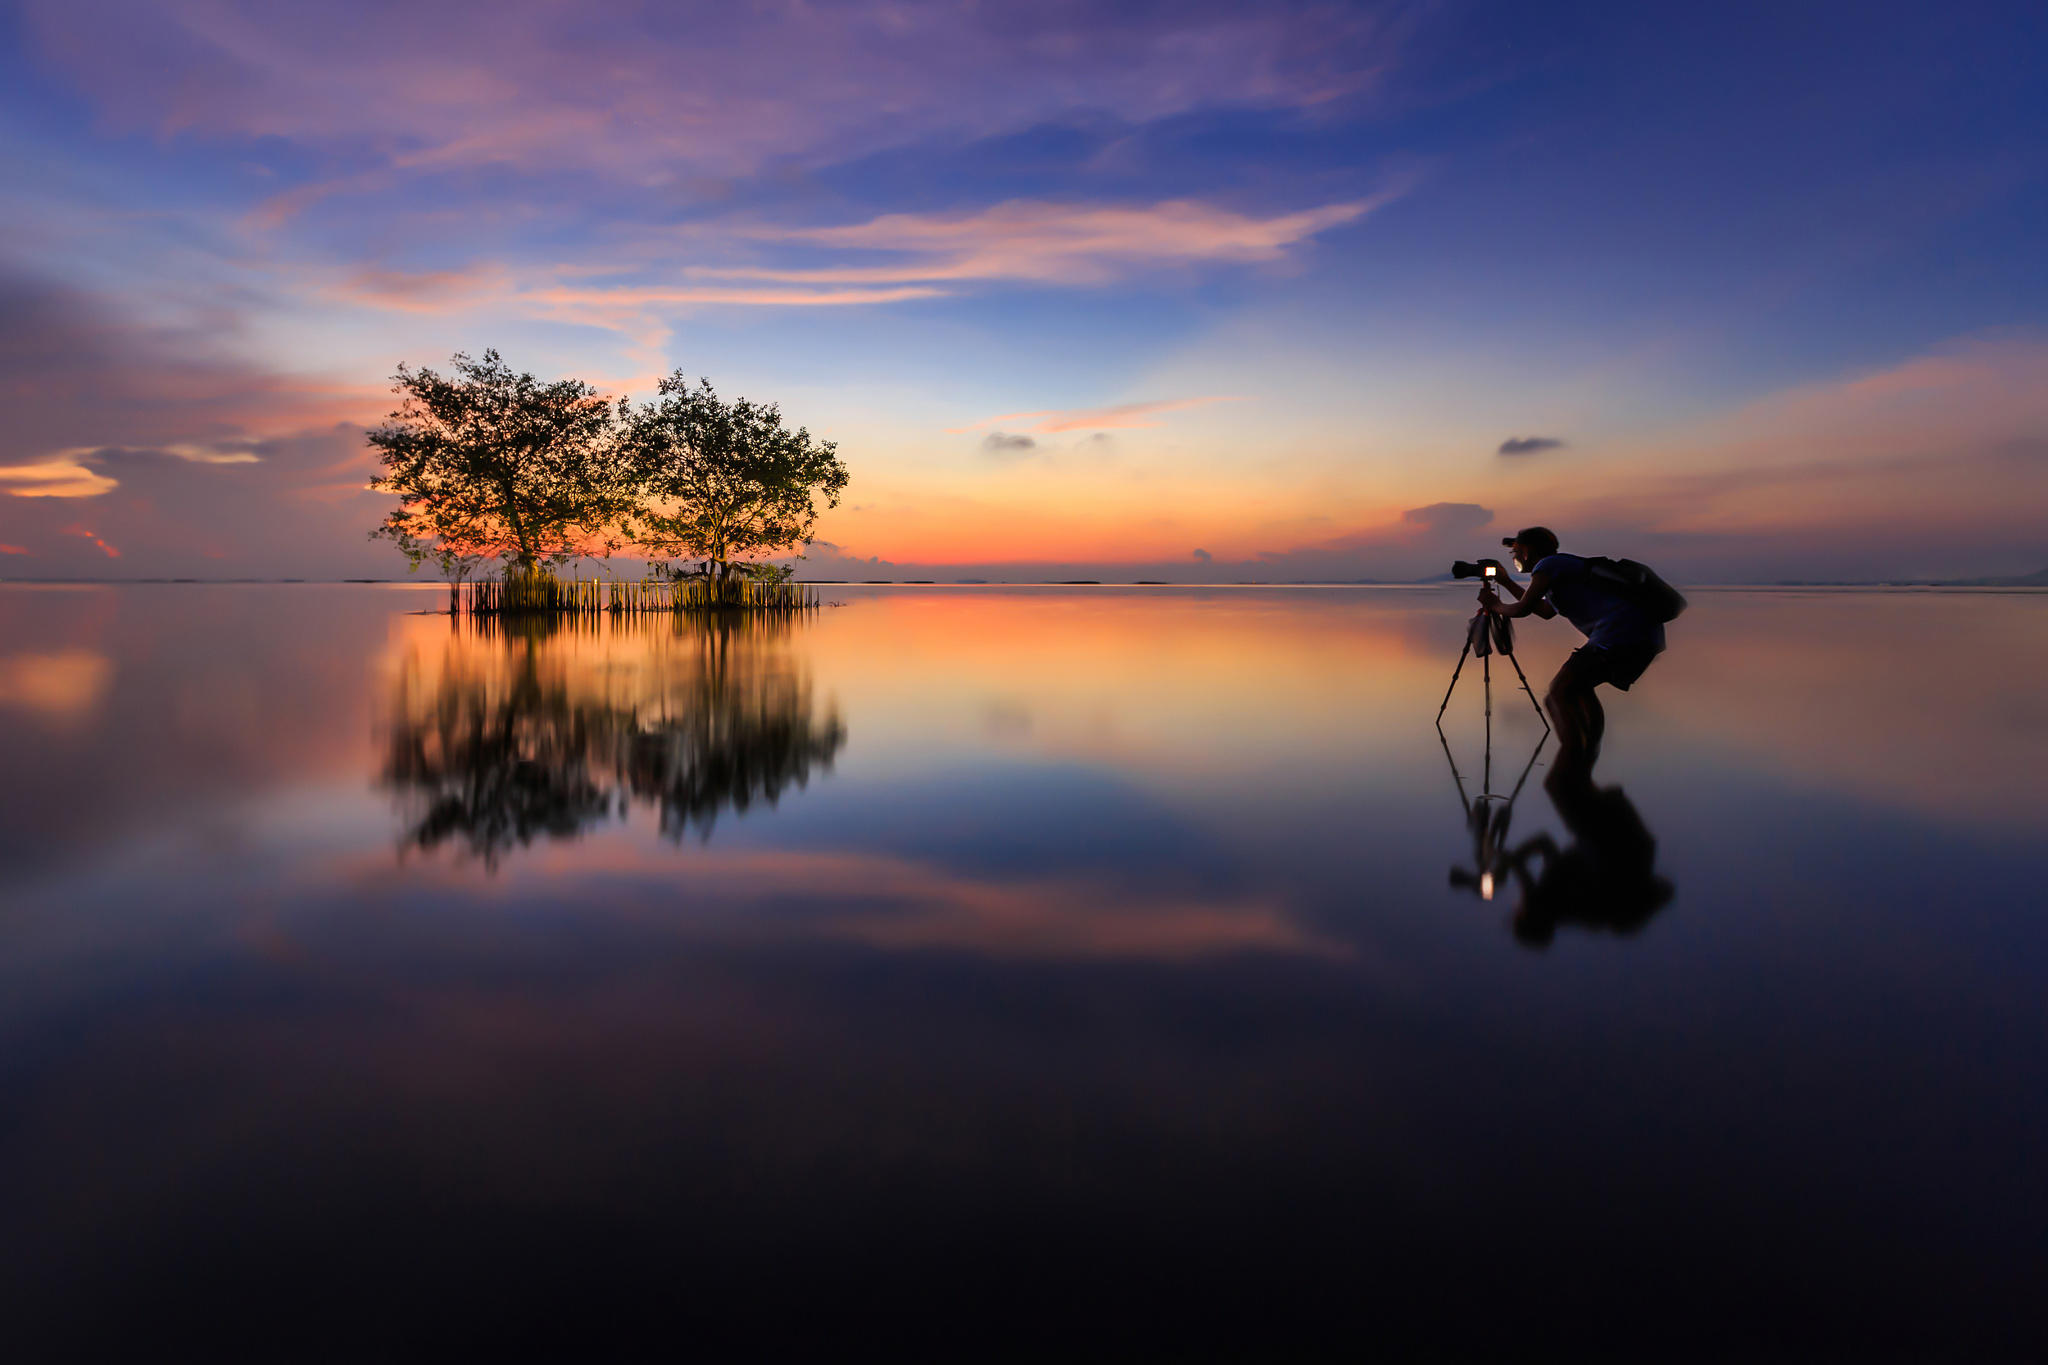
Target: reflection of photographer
point(1620, 606)
point(1605, 879)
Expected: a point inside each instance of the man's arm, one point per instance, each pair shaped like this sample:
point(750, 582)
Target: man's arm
point(1501, 577)
point(1535, 600)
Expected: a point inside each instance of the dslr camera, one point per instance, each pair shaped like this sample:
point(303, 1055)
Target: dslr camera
point(1465, 568)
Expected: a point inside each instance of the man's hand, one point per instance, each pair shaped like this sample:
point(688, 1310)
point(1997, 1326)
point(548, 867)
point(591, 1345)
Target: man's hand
point(1499, 580)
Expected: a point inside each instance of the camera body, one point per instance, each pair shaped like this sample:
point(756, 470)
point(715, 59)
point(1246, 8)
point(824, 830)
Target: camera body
point(1465, 568)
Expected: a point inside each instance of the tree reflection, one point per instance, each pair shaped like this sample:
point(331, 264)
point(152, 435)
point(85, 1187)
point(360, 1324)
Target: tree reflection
point(544, 729)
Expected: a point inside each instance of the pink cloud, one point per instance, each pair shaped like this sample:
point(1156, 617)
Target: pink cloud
point(1931, 466)
point(600, 301)
point(12, 550)
point(84, 380)
point(1054, 243)
point(428, 291)
point(1051, 243)
point(533, 84)
point(178, 445)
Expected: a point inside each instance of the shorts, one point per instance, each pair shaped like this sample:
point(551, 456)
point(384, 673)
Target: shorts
point(1590, 665)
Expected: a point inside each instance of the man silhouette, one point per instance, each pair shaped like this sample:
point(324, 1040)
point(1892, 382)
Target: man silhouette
point(1621, 637)
point(1604, 880)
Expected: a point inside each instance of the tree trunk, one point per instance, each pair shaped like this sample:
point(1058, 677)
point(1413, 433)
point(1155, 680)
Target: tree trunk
point(525, 560)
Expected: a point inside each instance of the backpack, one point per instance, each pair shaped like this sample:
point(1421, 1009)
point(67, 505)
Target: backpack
point(1640, 584)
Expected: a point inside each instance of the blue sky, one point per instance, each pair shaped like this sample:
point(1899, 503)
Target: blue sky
point(1079, 289)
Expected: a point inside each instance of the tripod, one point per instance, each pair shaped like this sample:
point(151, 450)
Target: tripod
point(1487, 816)
point(1487, 636)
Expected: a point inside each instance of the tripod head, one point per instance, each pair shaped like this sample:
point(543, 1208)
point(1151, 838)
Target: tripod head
point(1486, 635)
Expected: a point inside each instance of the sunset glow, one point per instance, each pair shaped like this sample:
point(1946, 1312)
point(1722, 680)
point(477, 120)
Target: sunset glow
point(1207, 293)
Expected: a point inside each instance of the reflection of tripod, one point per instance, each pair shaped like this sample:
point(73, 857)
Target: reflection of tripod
point(1487, 636)
point(1487, 816)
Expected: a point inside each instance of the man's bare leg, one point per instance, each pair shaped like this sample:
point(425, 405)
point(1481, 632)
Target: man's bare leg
point(1596, 723)
point(1576, 714)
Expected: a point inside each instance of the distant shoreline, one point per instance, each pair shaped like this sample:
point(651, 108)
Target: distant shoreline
point(2028, 583)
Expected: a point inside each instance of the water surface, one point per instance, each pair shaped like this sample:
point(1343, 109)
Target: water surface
point(1034, 970)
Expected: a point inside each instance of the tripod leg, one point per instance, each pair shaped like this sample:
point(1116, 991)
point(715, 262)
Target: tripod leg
point(1532, 693)
point(1456, 776)
point(1463, 654)
point(1527, 768)
point(1486, 782)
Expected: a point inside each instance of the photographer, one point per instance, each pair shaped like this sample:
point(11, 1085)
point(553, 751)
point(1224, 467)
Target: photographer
point(1622, 637)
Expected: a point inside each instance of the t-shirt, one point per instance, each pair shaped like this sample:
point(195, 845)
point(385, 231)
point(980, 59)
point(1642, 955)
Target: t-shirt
point(1600, 609)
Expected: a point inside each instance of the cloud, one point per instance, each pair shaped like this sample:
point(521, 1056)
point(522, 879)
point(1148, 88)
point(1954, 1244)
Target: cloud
point(1528, 445)
point(82, 377)
point(536, 86)
point(426, 291)
point(1447, 517)
point(1045, 243)
point(1048, 421)
point(1934, 466)
point(641, 313)
point(1001, 443)
point(87, 534)
point(1204, 556)
point(1053, 243)
point(58, 475)
point(13, 550)
point(153, 445)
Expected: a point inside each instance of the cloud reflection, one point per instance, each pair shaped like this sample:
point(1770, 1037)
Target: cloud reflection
point(66, 684)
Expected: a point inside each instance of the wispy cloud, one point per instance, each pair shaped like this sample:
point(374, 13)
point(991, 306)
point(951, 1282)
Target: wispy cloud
point(86, 533)
point(422, 291)
point(1044, 243)
point(535, 85)
point(1528, 445)
point(1048, 421)
point(1050, 243)
point(601, 302)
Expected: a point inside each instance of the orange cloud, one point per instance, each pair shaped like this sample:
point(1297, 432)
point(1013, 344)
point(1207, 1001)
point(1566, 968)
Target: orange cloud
point(12, 550)
point(56, 476)
point(77, 530)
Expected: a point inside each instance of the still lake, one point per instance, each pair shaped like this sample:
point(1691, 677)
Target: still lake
point(979, 971)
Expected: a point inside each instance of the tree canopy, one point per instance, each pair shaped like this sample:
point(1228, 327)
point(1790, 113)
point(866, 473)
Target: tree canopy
point(488, 463)
point(721, 480)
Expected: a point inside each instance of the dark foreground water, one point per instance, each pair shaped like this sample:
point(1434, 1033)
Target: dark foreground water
point(967, 973)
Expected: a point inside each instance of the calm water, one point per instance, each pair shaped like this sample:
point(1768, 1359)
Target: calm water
point(983, 971)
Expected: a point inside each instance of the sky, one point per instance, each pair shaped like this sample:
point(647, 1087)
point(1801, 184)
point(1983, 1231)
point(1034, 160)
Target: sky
point(1180, 291)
